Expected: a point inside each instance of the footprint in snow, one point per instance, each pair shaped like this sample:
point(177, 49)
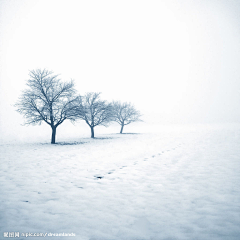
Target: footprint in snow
point(98, 177)
point(122, 167)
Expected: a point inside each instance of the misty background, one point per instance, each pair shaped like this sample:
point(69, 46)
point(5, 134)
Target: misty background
point(176, 61)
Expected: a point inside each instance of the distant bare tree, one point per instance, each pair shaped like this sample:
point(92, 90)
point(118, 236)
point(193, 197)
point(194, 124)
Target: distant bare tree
point(96, 111)
point(125, 113)
point(48, 100)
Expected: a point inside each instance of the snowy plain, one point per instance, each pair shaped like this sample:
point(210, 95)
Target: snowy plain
point(169, 182)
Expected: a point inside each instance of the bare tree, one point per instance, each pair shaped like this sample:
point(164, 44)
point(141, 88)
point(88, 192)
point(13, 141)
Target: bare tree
point(96, 111)
point(48, 100)
point(125, 113)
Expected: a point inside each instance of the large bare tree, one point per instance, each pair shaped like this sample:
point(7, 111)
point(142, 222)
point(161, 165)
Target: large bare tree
point(125, 113)
point(48, 100)
point(96, 111)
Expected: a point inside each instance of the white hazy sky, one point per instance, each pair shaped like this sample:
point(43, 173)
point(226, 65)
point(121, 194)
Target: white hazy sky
point(177, 61)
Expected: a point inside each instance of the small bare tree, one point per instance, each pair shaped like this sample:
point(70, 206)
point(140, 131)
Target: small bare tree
point(48, 100)
point(125, 113)
point(96, 112)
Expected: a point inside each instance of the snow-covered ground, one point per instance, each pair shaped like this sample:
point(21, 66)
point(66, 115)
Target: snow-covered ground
point(173, 183)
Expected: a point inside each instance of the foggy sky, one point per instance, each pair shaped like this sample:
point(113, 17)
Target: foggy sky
point(176, 61)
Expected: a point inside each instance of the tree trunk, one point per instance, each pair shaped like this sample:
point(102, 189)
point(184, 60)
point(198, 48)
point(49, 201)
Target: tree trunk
point(53, 135)
point(122, 128)
point(92, 132)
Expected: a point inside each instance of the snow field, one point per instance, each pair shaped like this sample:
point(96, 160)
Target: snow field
point(173, 184)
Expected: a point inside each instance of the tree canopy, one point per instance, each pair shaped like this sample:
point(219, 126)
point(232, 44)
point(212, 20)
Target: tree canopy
point(125, 113)
point(48, 100)
point(95, 111)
